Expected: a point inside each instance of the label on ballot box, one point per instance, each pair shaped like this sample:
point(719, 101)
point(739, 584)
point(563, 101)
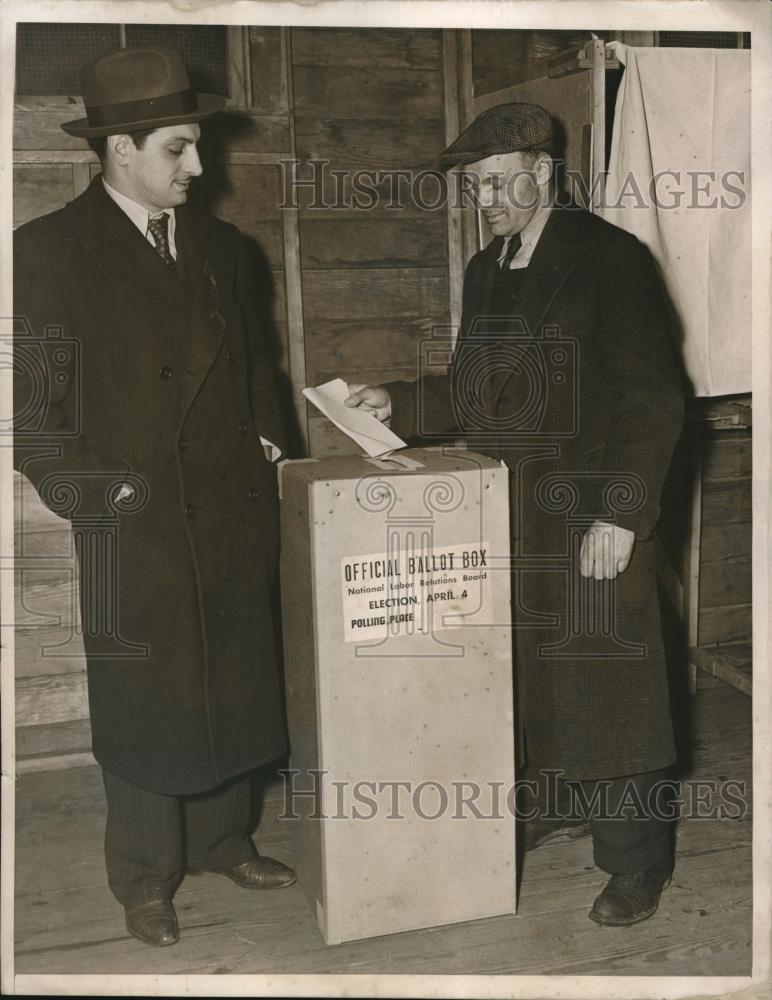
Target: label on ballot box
point(398, 666)
point(409, 590)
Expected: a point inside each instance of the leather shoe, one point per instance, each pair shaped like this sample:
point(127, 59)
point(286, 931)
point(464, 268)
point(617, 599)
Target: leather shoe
point(628, 899)
point(153, 923)
point(539, 831)
point(259, 873)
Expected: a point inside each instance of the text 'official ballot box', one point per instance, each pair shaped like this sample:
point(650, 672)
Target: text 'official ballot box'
point(396, 607)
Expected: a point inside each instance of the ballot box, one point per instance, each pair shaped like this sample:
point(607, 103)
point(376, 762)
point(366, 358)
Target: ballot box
point(398, 668)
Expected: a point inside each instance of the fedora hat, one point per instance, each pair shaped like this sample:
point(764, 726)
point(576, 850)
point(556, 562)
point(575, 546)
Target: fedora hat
point(133, 89)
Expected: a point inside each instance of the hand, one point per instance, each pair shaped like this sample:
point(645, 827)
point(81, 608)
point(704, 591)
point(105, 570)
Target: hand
point(372, 398)
point(125, 492)
point(606, 551)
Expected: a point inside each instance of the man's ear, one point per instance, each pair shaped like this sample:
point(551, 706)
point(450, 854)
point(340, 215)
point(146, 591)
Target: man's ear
point(120, 148)
point(543, 168)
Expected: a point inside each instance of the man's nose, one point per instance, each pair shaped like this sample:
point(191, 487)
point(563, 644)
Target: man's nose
point(192, 162)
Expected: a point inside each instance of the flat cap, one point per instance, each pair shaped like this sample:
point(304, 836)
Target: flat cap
point(504, 128)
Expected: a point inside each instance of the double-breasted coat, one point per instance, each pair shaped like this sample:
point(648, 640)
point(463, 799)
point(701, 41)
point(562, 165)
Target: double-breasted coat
point(127, 372)
point(578, 389)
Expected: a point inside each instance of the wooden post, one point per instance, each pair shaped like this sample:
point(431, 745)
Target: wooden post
point(452, 129)
point(293, 275)
point(691, 609)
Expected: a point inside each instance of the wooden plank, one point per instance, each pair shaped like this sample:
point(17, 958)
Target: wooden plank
point(252, 194)
point(267, 69)
point(55, 762)
point(239, 82)
point(466, 114)
point(355, 93)
point(721, 542)
point(329, 242)
point(393, 342)
point(450, 57)
point(691, 581)
point(241, 131)
point(731, 412)
point(55, 156)
point(325, 439)
point(725, 624)
point(368, 48)
point(517, 55)
point(595, 51)
point(37, 123)
point(39, 189)
point(712, 661)
point(295, 297)
point(38, 655)
point(394, 292)
point(51, 698)
point(725, 583)
point(56, 738)
point(726, 501)
point(46, 596)
point(374, 143)
point(728, 454)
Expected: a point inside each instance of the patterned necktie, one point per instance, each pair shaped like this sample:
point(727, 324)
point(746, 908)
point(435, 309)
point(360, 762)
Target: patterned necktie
point(159, 230)
point(514, 245)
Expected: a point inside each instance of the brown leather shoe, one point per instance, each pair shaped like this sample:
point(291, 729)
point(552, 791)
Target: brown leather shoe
point(628, 899)
point(153, 923)
point(259, 873)
point(540, 831)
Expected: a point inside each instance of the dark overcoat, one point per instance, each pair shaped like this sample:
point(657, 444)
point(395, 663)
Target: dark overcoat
point(129, 372)
point(579, 391)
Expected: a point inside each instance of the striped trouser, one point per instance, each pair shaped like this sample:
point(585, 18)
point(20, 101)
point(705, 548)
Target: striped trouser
point(150, 839)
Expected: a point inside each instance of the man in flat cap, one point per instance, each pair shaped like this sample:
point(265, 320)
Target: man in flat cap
point(564, 369)
point(158, 415)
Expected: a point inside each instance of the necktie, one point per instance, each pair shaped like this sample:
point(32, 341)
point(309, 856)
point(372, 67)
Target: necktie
point(159, 230)
point(514, 245)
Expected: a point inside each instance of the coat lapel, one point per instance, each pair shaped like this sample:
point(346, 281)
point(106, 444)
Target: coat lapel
point(207, 269)
point(563, 243)
point(114, 245)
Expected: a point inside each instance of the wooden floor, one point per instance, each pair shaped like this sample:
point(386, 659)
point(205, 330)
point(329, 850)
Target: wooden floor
point(68, 922)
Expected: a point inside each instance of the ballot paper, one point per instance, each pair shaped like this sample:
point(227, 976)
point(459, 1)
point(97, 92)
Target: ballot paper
point(360, 424)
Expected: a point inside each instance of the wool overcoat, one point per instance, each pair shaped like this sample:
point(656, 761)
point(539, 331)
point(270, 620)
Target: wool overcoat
point(130, 372)
point(578, 389)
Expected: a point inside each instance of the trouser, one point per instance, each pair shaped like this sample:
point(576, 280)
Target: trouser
point(628, 816)
point(150, 839)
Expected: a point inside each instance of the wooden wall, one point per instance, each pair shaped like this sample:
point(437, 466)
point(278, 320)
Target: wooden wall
point(725, 542)
point(375, 281)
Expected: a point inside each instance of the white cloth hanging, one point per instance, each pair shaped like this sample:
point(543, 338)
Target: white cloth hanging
point(686, 111)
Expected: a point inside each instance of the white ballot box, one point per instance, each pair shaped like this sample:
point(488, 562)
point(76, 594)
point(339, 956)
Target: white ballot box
point(397, 639)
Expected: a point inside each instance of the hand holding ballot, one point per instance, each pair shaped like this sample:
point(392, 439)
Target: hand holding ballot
point(363, 423)
point(372, 398)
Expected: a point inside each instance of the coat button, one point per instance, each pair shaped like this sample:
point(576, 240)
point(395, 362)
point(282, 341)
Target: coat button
point(190, 510)
point(165, 373)
point(254, 494)
point(243, 427)
point(231, 356)
point(183, 443)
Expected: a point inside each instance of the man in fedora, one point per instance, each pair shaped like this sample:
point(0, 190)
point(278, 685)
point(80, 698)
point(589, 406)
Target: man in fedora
point(158, 413)
point(564, 370)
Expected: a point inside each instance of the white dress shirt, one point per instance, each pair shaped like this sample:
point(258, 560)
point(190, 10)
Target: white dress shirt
point(140, 216)
point(529, 237)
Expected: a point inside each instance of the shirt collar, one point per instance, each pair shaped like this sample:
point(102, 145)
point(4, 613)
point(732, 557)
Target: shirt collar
point(137, 213)
point(529, 235)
